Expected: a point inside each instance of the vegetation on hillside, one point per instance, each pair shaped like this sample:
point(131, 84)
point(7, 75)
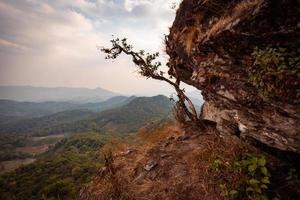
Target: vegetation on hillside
point(126, 119)
point(57, 175)
point(21, 146)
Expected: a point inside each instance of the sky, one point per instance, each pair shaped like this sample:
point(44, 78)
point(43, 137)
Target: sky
point(54, 43)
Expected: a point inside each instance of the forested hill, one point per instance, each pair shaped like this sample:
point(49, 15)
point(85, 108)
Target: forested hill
point(9, 108)
point(127, 118)
point(59, 174)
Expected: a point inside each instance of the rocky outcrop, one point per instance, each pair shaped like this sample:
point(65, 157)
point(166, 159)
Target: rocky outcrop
point(244, 55)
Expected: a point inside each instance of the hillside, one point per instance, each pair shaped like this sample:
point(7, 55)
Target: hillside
point(39, 94)
point(30, 109)
point(136, 114)
point(11, 108)
point(128, 118)
point(58, 174)
point(175, 163)
point(45, 125)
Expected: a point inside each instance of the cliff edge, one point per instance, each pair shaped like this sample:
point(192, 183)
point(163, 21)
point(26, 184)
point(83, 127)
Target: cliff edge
point(244, 57)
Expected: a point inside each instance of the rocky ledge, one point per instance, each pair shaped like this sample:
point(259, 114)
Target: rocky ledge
point(244, 55)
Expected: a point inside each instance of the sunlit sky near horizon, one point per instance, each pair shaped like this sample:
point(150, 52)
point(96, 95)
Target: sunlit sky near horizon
point(54, 42)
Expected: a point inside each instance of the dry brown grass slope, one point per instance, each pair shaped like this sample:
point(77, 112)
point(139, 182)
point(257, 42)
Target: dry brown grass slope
point(181, 167)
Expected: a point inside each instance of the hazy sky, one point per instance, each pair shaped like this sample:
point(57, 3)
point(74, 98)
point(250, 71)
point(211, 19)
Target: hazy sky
point(53, 42)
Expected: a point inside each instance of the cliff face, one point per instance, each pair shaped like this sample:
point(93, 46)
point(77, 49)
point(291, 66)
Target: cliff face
point(244, 55)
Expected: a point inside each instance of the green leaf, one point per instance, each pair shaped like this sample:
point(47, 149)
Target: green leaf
point(265, 180)
point(264, 171)
point(252, 168)
point(253, 181)
point(254, 160)
point(261, 162)
point(246, 162)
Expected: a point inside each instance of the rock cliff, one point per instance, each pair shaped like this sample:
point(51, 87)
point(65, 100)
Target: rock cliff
point(244, 55)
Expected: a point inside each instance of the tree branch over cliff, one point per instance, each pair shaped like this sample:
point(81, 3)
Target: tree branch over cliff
point(148, 66)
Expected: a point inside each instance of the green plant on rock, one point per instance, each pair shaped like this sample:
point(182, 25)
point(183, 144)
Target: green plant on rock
point(253, 178)
point(216, 165)
point(275, 72)
point(258, 176)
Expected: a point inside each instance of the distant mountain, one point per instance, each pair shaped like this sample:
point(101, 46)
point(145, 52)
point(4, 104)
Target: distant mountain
point(44, 124)
point(41, 94)
point(15, 109)
point(113, 102)
point(128, 118)
point(29, 109)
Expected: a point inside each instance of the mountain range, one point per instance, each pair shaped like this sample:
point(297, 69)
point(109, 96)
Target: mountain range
point(9, 108)
point(42, 94)
point(118, 114)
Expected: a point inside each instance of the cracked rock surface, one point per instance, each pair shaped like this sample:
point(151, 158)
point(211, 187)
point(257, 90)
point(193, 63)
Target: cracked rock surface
point(244, 57)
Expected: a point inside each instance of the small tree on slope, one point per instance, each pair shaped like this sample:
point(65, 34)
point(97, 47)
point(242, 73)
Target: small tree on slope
point(148, 66)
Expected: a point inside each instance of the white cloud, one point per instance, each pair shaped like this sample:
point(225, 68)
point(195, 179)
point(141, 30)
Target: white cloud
point(53, 42)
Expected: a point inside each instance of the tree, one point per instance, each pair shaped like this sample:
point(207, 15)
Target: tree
point(148, 66)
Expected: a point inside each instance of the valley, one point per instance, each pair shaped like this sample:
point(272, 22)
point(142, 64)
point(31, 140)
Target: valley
point(65, 141)
point(16, 151)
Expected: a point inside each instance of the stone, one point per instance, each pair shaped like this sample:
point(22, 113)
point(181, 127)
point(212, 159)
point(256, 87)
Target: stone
point(150, 165)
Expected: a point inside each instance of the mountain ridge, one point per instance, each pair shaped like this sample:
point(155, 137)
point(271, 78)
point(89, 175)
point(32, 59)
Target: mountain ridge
point(127, 118)
point(40, 94)
point(37, 109)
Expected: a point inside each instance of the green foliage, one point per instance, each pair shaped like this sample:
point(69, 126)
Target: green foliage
point(59, 189)
point(217, 164)
point(276, 72)
point(46, 125)
point(227, 193)
point(147, 62)
point(253, 178)
point(258, 176)
point(59, 175)
point(10, 142)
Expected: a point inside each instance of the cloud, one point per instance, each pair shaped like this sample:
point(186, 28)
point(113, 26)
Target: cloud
point(53, 42)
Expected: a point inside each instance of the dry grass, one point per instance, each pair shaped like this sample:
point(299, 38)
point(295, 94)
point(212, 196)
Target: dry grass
point(151, 137)
point(183, 170)
point(185, 160)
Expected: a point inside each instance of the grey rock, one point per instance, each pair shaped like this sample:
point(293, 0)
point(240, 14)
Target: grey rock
point(150, 165)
